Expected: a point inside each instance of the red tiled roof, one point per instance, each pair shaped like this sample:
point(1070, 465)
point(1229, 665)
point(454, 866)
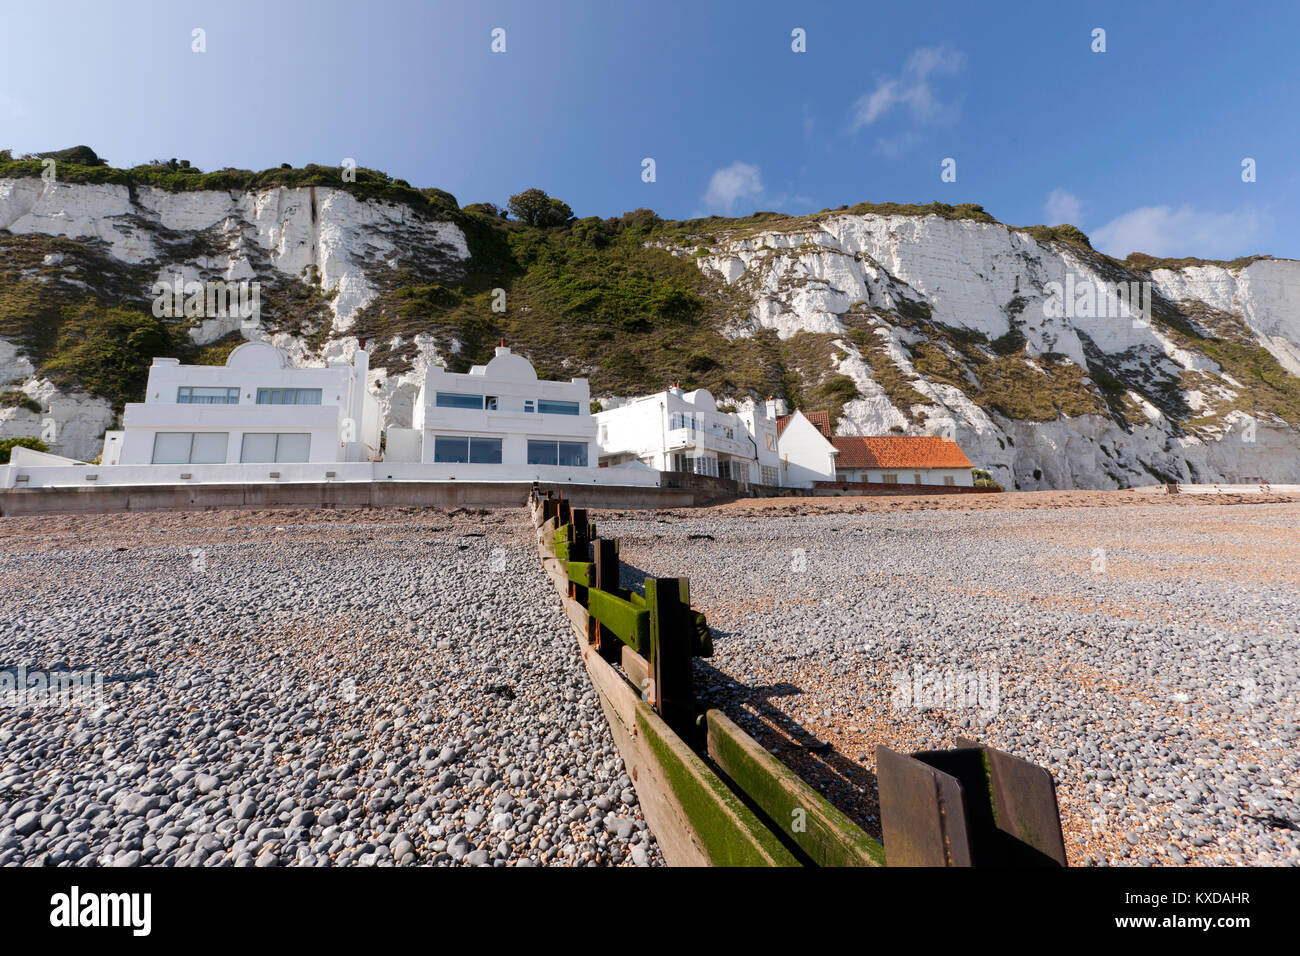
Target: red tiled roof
point(819, 418)
point(898, 451)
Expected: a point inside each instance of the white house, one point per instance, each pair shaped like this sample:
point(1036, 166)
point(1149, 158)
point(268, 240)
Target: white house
point(763, 426)
point(902, 459)
point(807, 454)
point(684, 432)
point(255, 409)
point(500, 421)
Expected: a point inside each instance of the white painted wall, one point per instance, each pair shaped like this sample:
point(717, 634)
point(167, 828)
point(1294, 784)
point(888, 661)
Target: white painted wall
point(24, 476)
point(402, 445)
point(512, 382)
point(344, 427)
point(806, 455)
point(906, 476)
point(659, 427)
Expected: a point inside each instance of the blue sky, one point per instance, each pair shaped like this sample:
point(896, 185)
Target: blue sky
point(1141, 146)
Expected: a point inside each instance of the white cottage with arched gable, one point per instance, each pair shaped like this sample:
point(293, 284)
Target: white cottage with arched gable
point(499, 421)
point(255, 410)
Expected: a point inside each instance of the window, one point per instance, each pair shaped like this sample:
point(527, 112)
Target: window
point(190, 448)
point(490, 403)
point(949, 480)
point(770, 441)
point(530, 406)
point(197, 395)
point(272, 447)
point(683, 463)
point(542, 452)
point(889, 478)
point(735, 469)
point(916, 478)
point(453, 449)
point(550, 407)
point(485, 451)
point(568, 453)
point(770, 476)
point(572, 454)
point(288, 396)
point(704, 465)
point(456, 400)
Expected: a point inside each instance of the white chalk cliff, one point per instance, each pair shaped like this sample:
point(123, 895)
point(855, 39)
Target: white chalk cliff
point(988, 278)
point(327, 235)
point(881, 286)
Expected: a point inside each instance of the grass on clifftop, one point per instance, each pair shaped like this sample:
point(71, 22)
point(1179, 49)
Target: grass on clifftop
point(81, 165)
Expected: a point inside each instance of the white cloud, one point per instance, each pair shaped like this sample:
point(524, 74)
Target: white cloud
point(1062, 207)
point(730, 184)
point(1173, 233)
point(912, 90)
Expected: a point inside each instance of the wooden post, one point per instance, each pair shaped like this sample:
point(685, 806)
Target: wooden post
point(578, 552)
point(669, 600)
point(971, 806)
point(579, 542)
point(604, 555)
point(550, 508)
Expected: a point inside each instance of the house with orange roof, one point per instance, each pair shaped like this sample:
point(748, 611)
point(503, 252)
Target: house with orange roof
point(901, 459)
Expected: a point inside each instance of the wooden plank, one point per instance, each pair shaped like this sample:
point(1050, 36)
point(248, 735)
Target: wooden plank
point(559, 577)
point(819, 829)
point(546, 533)
point(581, 572)
point(626, 621)
point(578, 617)
point(695, 818)
point(637, 669)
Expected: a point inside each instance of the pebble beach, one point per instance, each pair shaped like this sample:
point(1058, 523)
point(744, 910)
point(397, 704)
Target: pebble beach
point(300, 688)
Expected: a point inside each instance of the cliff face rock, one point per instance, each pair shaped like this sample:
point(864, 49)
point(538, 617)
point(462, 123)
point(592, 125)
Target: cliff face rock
point(927, 324)
point(281, 230)
point(293, 241)
point(941, 308)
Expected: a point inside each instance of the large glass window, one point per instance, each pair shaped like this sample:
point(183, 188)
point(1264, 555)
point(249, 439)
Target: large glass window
point(190, 448)
point(550, 407)
point(450, 450)
point(456, 400)
point(542, 452)
point(272, 447)
point(571, 454)
point(202, 395)
point(453, 449)
point(485, 451)
point(288, 396)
